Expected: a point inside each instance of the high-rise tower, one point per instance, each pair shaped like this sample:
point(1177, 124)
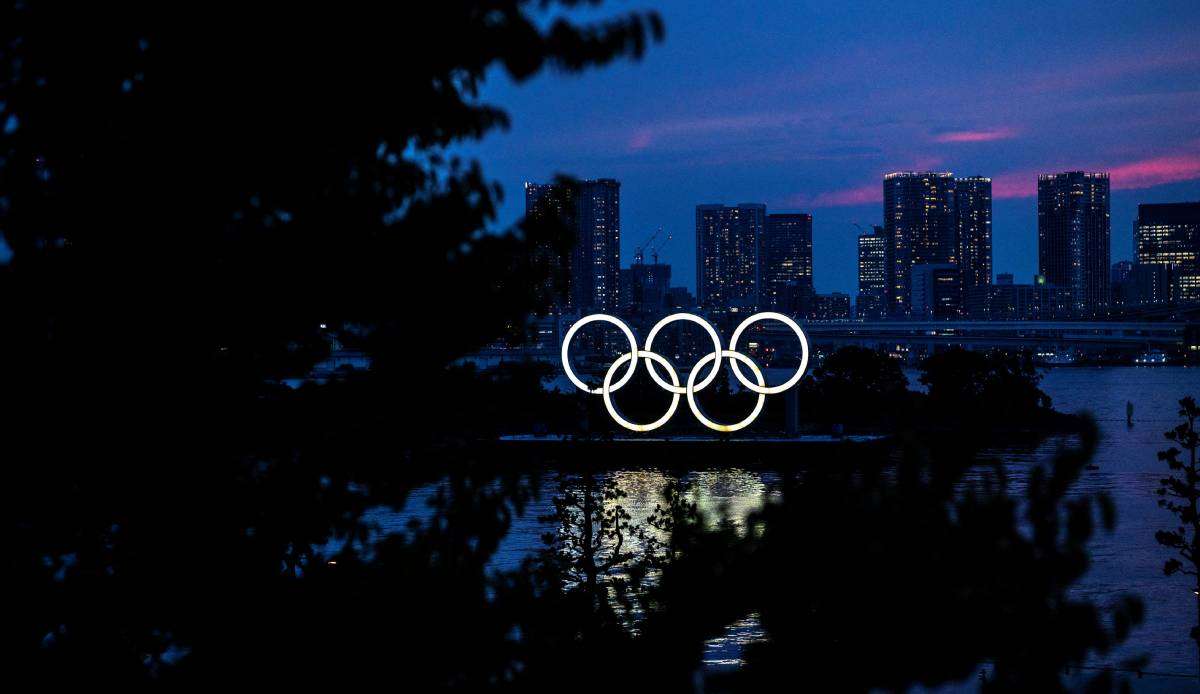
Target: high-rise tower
point(1169, 234)
point(727, 263)
point(592, 210)
point(872, 275)
point(785, 255)
point(973, 214)
point(921, 228)
point(1074, 236)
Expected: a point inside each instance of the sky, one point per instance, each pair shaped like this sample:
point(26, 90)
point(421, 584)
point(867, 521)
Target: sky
point(804, 106)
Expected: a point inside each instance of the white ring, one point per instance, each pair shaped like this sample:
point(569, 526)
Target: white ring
point(612, 411)
point(567, 343)
point(716, 426)
point(760, 388)
point(698, 321)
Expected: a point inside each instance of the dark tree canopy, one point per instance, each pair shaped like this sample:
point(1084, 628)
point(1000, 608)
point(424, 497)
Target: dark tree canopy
point(190, 192)
point(989, 389)
point(855, 385)
point(202, 200)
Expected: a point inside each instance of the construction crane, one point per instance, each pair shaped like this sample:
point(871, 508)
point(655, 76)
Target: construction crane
point(639, 255)
point(654, 251)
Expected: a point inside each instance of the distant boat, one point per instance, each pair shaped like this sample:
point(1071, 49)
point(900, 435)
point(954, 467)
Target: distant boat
point(1154, 357)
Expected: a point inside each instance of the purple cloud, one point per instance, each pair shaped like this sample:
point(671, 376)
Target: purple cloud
point(1003, 133)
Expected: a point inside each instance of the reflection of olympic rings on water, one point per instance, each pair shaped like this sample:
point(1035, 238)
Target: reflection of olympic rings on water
point(758, 385)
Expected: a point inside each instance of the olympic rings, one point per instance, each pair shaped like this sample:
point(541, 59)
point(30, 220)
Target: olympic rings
point(734, 357)
point(768, 315)
point(612, 411)
point(634, 354)
point(698, 321)
point(567, 343)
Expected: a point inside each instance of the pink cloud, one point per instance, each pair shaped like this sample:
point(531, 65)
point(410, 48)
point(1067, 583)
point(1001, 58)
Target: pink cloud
point(646, 135)
point(1134, 175)
point(1156, 171)
point(862, 195)
point(1004, 133)
point(1015, 185)
point(641, 140)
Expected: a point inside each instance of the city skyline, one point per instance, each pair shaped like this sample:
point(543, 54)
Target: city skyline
point(955, 190)
point(934, 254)
point(752, 118)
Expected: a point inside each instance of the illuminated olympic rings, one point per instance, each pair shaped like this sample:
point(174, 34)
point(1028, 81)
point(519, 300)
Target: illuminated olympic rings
point(758, 385)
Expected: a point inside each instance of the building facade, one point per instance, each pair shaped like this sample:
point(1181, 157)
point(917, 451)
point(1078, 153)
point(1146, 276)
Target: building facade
point(921, 228)
point(644, 287)
point(598, 250)
point(1142, 285)
point(785, 255)
point(1169, 235)
point(1005, 300)
point(679, 299)
point(1074, 238)
point(591, 210)
point(727, 256)
point(973, 213)
point(833, 306)
point(936, 291)
point(544, 200)
point(872, 275)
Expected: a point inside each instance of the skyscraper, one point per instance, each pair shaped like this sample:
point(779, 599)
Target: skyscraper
point(785, 255)
point(973, 213)
point(599, 246)
point(1074, 236)
point(558, 200)
point(592, 210)
point(921, 228)
point(727, 245)
point(872, 275)
point(1169, 234)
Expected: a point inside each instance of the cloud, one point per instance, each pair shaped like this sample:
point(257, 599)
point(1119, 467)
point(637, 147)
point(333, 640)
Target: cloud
point(1004, 133)
point(1156, 171)
point(645, 136)
point(853, 196)
point(1015, 185)
point(847, 197)
point(1131, 175)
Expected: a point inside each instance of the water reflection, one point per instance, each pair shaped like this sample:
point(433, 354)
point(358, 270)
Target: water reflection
point(1128, 470)
point(731, 493)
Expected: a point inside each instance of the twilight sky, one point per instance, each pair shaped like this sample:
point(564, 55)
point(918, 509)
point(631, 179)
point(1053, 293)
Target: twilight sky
point(805, 105)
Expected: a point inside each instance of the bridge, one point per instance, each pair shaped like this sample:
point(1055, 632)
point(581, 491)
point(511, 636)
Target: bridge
point(913, 339)
point(1165, 335)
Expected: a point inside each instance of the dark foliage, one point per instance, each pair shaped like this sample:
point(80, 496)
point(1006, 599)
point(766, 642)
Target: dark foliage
point(190, 193)
point(1180, 492)
point(878, 576)
point(190, 197)
point(989, 390)
point(860, 387)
